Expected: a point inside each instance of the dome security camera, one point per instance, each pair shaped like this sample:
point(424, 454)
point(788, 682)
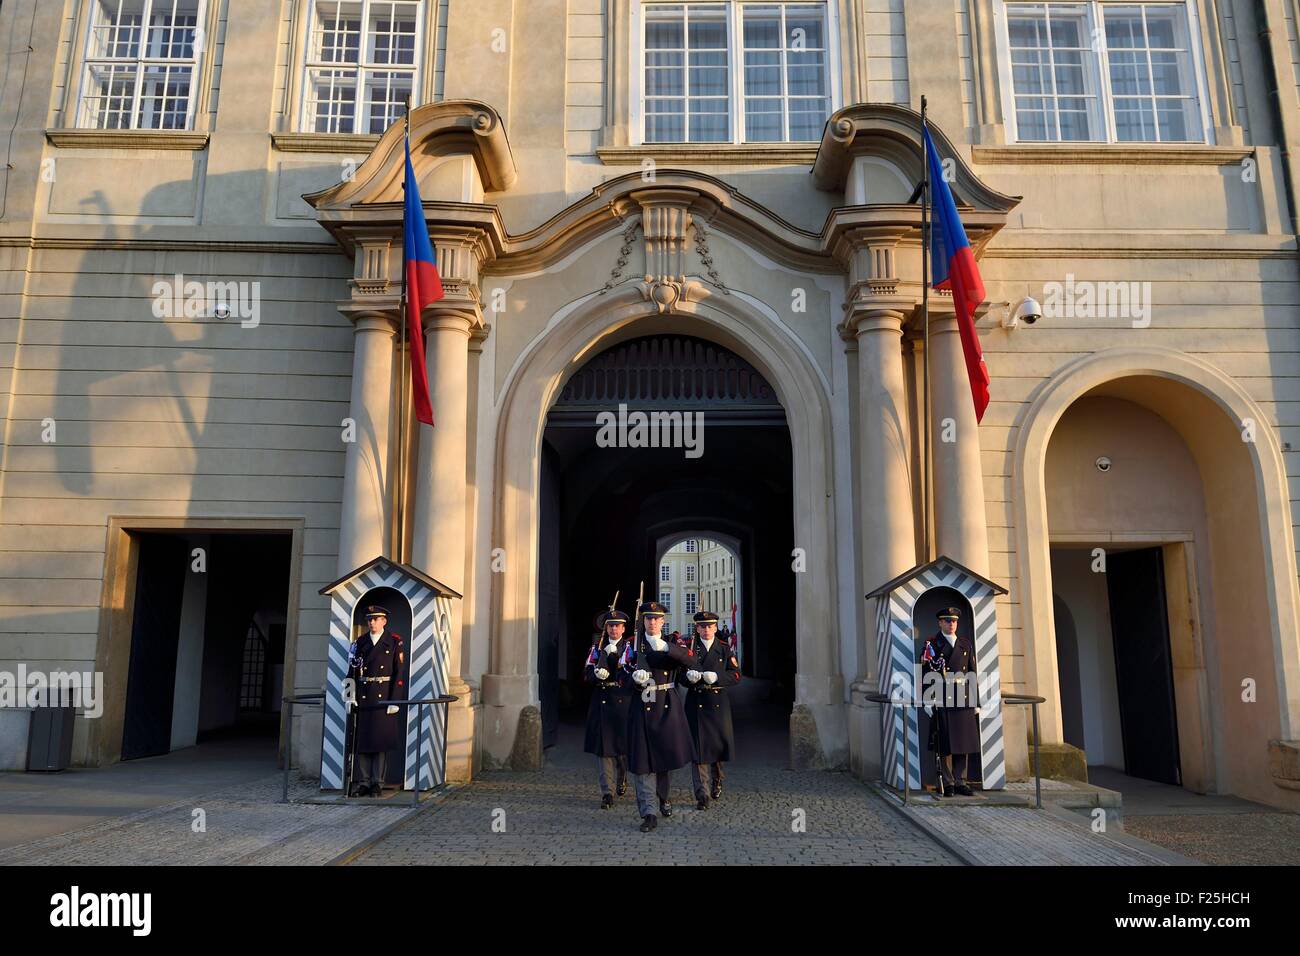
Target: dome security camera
point(1027, 310)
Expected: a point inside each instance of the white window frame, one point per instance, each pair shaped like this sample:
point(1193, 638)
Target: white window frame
point(690, 574)
point(665, 574)
point(307, 124)
point(692, 604)
point(735, 66)
point(1102, 63)
point(142, 61)
point(666, 599)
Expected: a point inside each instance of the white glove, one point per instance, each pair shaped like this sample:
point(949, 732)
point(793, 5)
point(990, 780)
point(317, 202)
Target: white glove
point(710, 677)
point(392, 709)
point(601, 673)
point(641, 677)
point(692, 676)
point(611, 647)
point(658, 643)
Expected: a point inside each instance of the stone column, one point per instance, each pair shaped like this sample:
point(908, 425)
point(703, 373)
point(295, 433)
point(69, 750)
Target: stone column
point(438, 536)
point(960, 529)
point(886, 532)
point(363, 524)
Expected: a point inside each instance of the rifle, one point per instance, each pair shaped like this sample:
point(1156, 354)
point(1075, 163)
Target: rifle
point(636, 626)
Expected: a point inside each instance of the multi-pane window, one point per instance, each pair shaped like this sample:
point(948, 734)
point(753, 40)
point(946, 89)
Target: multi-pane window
point(1103, 71)
point(690, 602)
point(690, 545)
point(362, 63)
point(735, 72)
point(666, 599)
point(690, 574)
point(665, 573)
point(141, 64)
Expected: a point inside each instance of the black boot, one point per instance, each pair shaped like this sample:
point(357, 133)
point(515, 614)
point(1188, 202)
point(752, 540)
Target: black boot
point(963, 791)
point(701, 802)
point(622, 786)
point(666, 808)
point(717, 790)
point(649, 823)
point(606, 801)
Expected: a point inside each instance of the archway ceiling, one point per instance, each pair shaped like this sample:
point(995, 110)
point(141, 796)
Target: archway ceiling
point(371, 202)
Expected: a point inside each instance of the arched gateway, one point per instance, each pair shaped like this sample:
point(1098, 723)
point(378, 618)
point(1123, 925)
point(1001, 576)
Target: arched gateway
point(826, 316)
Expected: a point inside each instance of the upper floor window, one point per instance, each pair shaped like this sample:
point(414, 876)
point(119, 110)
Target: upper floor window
point(690, 574)
point(362, 63)
point(734, 72)
point(1103, 71)
point(690, 545)
point(141, 61)
point(690, 602)
point(665, 573)
point(666, 599)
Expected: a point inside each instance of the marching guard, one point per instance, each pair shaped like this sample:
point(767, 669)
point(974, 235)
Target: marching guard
point(708, 711)
point(607, 712)
point(658, 736)
point(375, 664)
point(954, 728)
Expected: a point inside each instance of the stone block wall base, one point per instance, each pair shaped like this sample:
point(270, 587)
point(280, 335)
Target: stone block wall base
point(1284, 763)
point(864, 741)
point(1062, 761)
point(805, 744)
point(464, 757)
point(527, 751)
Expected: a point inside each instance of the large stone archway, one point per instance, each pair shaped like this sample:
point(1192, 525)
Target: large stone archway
point(587, 326)
point(1252, 554)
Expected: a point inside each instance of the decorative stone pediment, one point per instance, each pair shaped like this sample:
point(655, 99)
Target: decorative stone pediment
point(451, 128)
point(882, 132)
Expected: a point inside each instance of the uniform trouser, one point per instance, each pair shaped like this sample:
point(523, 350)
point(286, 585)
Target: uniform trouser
point(611, 771)
point(952, 766)
point(700, 777)
point(642, 784)
point(371, 768)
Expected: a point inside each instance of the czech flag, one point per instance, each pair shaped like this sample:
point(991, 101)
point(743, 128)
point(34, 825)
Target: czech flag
point(423, 285)
point(952, 268)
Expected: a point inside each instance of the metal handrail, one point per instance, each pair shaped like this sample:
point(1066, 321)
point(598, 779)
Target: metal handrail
point(446, 700)
point(1030, 699)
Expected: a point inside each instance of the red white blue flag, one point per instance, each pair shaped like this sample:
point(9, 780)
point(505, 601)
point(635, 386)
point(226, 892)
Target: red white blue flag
point(423, 285)
point(953, 268)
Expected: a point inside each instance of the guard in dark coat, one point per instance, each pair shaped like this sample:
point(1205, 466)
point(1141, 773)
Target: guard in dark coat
point(607, 712)
point(708, 710)
point(658, 736)
point(376, 662)
point(954, 726)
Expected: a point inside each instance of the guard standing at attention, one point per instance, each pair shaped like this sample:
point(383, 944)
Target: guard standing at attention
point(954, 727)
point(658, 736)
point(708, 711)
point(607, 712)
point(376, 662)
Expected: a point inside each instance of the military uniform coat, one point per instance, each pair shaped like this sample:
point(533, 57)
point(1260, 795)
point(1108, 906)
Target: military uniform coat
point(379, 679)
point(658, 736)
point(708, 710)
point(955, 730)
point(607, 712)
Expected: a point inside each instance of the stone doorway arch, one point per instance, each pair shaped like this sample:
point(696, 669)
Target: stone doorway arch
point(512, 731)
point(1251, 551)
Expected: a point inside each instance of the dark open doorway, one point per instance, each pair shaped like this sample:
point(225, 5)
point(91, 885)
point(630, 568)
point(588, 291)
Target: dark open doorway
point(207, 641)
point(606, 512)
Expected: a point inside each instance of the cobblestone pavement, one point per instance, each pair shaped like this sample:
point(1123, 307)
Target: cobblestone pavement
point(1021, 836)
point(1242, 838)
point(553, 817)
point(244, 825)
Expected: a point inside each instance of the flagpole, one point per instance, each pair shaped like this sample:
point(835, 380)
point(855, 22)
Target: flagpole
point(926, 460)
point(403, 372)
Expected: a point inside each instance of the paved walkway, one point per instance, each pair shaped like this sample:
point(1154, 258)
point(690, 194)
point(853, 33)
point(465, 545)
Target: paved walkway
point(244, 825)
point(1211, 828)
point(553, 817)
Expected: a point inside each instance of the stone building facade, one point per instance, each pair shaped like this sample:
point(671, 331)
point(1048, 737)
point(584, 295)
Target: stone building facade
point(598, 172)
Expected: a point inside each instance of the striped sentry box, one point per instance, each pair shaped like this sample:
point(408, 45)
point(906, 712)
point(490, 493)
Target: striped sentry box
point(430, 639)
point(896, 650)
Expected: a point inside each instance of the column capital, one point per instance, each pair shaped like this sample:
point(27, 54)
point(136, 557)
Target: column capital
point(371, 317)
point(862, 318)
